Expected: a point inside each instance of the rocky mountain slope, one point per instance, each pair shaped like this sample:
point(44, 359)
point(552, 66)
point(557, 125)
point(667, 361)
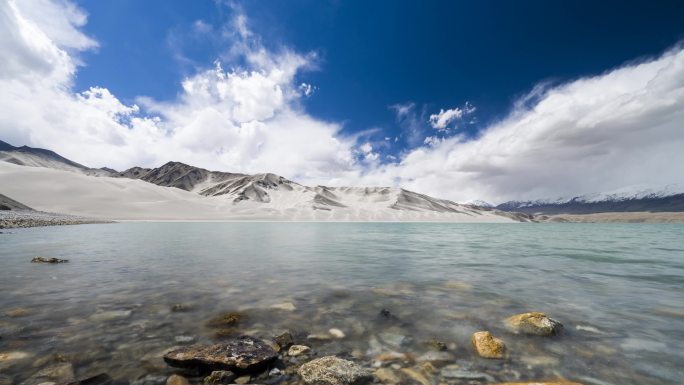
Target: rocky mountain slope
point(38, 157)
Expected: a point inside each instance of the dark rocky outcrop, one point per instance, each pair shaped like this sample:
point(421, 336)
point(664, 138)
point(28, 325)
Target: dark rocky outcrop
point(240, 355)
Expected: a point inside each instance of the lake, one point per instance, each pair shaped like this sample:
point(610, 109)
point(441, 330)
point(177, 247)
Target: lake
point(617, 288)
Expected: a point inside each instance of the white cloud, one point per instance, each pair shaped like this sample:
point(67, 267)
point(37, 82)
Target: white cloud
point(600, 133)
point(441, 120)
point(244, 119)
point(620, 128)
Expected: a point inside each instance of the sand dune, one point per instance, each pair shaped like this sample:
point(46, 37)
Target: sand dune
point(73, 193)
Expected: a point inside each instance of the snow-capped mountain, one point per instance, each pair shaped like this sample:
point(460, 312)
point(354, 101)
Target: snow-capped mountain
point(669, 198)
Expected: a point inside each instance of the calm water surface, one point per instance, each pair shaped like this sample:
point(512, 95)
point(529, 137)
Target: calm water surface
point(618, 289)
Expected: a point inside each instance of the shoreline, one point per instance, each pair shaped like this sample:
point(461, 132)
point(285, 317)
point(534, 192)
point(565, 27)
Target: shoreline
point(15, 219)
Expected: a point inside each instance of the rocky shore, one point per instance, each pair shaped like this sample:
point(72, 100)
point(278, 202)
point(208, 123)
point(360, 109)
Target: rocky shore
point(29, 218)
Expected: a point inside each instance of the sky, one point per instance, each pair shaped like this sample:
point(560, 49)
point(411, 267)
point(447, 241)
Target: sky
point(486, 100)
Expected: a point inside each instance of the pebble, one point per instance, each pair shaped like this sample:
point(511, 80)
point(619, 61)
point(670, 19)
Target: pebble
point(337, 333)
point(416, 376)
point(219, 377)
point(296, 350)
point(175, 379)
point(454, 371)
point(387, 376)
point(242, 380)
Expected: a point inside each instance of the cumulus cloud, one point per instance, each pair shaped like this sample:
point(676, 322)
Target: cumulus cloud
point(244, 119)
point(441, 120)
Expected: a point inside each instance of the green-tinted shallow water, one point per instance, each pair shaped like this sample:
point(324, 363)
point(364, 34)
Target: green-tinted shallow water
point(618, 289)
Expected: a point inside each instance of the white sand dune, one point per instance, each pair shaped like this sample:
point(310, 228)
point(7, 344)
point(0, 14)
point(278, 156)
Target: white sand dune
point(74, 193)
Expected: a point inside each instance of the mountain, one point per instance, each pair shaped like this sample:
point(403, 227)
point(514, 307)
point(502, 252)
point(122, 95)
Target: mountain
point(38, 157)
point(183, 192)
point(669, 198)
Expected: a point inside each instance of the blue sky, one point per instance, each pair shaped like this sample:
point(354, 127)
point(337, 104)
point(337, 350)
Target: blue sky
point(375, 54)
point(490, 100)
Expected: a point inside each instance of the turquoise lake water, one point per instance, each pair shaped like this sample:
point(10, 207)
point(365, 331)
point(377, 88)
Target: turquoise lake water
point(617, 288)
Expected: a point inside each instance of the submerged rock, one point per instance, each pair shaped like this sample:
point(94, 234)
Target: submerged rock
point(284, 340)
point(17, 312)
point(332, 370)
point(226, 319)
point(48, 260)
point(454, 371)
point(219, 377)
point(12, 356)
point(242, 355)
point(111, 315)
point(99, 379)
point(534, 323)
point(180, 307)
point(336, 333)
point(387, 376)
point(287, 306)
point(175, 379)
point(487, 346)
point(59, 373)
point(296, 350)
point(436, 357)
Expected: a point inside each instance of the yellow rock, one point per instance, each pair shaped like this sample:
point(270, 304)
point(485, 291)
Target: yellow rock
point(391, 356)
point(487, 346)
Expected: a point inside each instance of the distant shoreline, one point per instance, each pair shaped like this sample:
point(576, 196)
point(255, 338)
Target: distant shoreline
point(25, 219)
point(14, 219)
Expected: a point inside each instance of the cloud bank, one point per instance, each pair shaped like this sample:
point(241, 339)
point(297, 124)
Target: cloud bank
point(604, 132)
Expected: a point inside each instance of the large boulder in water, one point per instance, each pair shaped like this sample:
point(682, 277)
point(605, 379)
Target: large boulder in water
point(332, 370)
point(534, 323)
point(241, 355)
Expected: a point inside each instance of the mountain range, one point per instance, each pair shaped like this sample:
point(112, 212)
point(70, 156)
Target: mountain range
point(268, 196)
point(180, 191)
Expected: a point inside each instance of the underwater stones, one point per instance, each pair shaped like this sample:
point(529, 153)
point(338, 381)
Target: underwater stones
point(98, 379)
point(487, 346)
point(387, 376)
point(534, 323)
point(13, 356)
point(393, 340)
point(285, 306)
point(226, 319)
point(332, 370)
point(336, 333)
point(242, 355)
point(48, 260)
point(436, 357)
point(296, 350)
point(105, 316)
point(416, 376)
point(180, 308)
point(175, 379)
point(62, 373)
point(456, 372)
point(17, 312)
point(391, 356)
point(219, 377)
point(435, 344)
point(284, 340)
